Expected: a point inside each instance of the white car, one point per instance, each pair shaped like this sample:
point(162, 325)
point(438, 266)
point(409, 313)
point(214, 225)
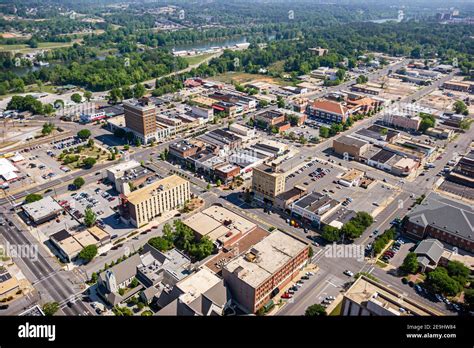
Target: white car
point(348, 273)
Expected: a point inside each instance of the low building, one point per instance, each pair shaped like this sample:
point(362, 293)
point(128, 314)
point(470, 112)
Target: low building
point(351, 178)
point(328, 111)
point(9, 284)
point(43, 210)
point(429, 253)
point(67, 246)
point(442, 218)
point(242, 130)
point(440, 133)
point(350, 146)
point(226, 172)
point(284, 200)
point(256, 277)
point(100, 235)
point(133, 179)
point(183, 149)
point(143, 205)
point(367, 297)
point(8, 172)
point(459, 86)
point(200, 294)
point(318, 51)
point(313, 208)
point(365, 89)
point(220, 225)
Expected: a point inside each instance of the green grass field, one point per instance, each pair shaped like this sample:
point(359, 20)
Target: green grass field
point(193, 60)
point(24, 48)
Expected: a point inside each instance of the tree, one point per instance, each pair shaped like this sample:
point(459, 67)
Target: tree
point(78, 182)
point(134, 283)
point(458, 271)
point(89, 162)
point(76, 98)
point(89, 217)
point(218, 182)
point(160, 243)
point(88, 95)
point(410, 264)
point(33, 197)
point(47, 129)
point(139, 90)
point(88, 253)
point(427, 121)
point(48, 109)
point(84, 133)
point(469, 298)
point(331, 234)
point(50, 308)
point(324, 132)
point(90, 143)
point(315, 310)
point(440, 281)
point(115, 95)
point(460, 107)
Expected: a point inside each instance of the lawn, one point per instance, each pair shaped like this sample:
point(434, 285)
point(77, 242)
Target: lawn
point(42, 45)
point(198, 59)
point(244, 78)
point(337, 310)
point(88, 152)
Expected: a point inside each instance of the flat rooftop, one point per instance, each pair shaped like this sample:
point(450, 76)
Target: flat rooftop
point(146, 192)
point(123, 166)
point(315, 201)
point(271, 254)
point(217, 221)
point(42, 208)
point(378, 297)
point(352, 174)
point(197, 284)
point(351, 141)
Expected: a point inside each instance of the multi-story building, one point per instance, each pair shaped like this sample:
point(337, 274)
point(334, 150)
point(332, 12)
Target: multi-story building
point(257, 276)
point(140, 118)
point(403, 121)
point(442, 218)
point(143, 205)
point(268, 181)
point(367, 297)
point(350, 146)
point(327, 111)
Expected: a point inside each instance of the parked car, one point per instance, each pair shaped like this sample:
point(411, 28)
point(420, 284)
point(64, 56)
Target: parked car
point(348, 273)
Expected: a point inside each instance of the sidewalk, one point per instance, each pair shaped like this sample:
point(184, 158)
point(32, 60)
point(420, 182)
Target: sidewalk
point(274, 311)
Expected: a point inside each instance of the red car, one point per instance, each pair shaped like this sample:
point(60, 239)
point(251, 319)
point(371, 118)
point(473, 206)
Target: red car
point(286, 295)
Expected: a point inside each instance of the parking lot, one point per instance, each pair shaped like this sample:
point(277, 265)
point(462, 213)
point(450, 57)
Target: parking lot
point(102, 199)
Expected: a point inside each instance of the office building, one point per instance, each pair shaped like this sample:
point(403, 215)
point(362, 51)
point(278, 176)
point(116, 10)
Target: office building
point(268, 181)
point(143, 205)
point(140, 118)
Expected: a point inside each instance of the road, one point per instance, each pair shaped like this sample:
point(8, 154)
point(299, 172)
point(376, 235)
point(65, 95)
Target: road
point(51, 282)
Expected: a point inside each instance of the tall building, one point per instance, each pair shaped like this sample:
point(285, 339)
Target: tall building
point(143, 205)
point(267, 182)
point(140, 118)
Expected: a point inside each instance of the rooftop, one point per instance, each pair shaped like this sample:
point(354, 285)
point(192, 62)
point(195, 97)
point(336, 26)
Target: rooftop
point(265, 258)
point(147, 192)
point(316, 203)
point(386, 301)
point(123, 166)
point(351, 141)
point(445, 214)
point(44, 207)
point(197, 284)
point(330, 106)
